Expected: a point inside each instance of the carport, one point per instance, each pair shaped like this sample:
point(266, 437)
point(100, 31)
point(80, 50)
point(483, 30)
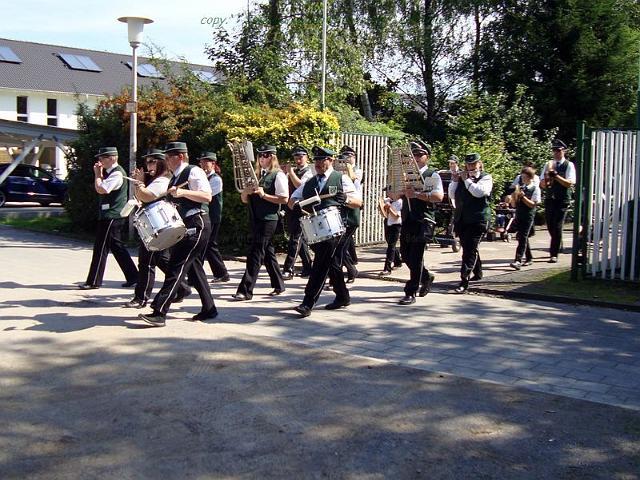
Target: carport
point(31, 137)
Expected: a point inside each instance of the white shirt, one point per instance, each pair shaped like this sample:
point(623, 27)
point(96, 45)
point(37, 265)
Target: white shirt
point(536, 197)
point(480, 189)
point(216, 184)
point(198, 181)
point(570, 173)
point(347, 187)
point(432, 184)
point(397, 206)
point(516, 181)
point(159, 186)
point(114, 181)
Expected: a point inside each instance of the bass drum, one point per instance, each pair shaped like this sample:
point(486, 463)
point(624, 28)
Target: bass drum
point(159, 225)
point(326, 224)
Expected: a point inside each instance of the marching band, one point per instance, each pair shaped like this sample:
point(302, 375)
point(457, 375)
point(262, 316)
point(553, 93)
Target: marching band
point(180, 211)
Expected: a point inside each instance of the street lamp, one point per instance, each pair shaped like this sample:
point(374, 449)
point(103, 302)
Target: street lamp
point(135, 26)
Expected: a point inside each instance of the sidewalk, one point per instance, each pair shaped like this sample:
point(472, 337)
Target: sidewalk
point(450, 387)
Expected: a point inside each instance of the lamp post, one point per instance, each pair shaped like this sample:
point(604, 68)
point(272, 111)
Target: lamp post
point(324, 54)
point(135, 26)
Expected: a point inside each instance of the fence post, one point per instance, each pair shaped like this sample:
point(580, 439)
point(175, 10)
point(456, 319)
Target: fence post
point(579, 238)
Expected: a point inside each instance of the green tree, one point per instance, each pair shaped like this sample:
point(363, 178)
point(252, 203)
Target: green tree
point(577, 59)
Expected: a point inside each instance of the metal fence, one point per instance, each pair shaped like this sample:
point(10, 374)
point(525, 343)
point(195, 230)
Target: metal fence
point(372, 156)
point(608, 231)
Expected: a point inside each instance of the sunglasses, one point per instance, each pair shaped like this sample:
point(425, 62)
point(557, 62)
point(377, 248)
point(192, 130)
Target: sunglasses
point(264, 155)
point(152, 160)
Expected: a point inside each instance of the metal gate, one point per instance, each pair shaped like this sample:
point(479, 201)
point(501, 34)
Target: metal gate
point(606, 223)
point(371, 155)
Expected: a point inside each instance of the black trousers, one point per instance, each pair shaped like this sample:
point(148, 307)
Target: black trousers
point(525, 226)
point(327, 261)
point(349, 257)
point(212, 253)
point(108, 238)
point(470, 236)
point(147, 263)
point(555, 213)
point(261, 250)
point(185, 257)
point(297, 245)
point(413, 239)
point(391, 235)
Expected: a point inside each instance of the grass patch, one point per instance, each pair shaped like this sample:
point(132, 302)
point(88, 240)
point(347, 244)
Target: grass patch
point(59, 225)
point(555, 282)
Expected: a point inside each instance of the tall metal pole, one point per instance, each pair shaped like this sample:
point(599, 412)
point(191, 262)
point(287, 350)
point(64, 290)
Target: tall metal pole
point(324, 54)
point(133, 128)
point(638, 97)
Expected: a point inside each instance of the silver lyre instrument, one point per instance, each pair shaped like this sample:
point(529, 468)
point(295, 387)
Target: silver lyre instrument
point(244, 174)
point(403, 173)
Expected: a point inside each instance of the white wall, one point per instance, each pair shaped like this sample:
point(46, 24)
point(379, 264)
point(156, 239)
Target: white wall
point(37, 112)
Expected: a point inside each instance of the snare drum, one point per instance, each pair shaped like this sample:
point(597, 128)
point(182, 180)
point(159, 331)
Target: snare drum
point(159, 225)
point(326, 224)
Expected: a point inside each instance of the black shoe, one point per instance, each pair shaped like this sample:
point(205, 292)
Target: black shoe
point(181, 296)
point(462, 288)
point(527, 263)
point(476, 278)
point(154, 318)
point(132, 283)
point(135, 303)
point(336, 304)
point(384, 273)
point(426, 287)
point(305, 274)
point(287, 275)
point(276, 292)
point(553, 260)
point(88, 287)
point(202, 316)
point(222, 279)
point(407, 300)
point(241, 297)
point(303, 310)
point(398, 265)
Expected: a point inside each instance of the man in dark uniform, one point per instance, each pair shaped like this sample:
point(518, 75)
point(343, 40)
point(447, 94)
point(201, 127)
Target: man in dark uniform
point(209, 163)
point(471, 189)
point(191, 193)
point(340, 192)
point(557, 182)
point(297, 244)
point(110, 186)
point(418, 222)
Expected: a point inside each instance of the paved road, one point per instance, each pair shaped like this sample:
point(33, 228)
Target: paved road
point(248, 387)
point(29, 210)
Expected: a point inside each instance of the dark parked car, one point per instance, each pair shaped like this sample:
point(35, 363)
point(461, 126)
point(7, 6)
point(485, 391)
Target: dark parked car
point(31, 184)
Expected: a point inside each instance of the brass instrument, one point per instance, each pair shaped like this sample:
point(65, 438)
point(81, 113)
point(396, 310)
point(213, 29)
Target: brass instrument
point(548, 178)
point(404, 173)
point(244, 174)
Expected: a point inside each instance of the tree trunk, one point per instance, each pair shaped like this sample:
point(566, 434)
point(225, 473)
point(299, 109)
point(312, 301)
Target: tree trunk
point(475, 76)
point(427, 55)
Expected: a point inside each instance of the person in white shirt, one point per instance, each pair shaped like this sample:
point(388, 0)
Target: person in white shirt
point(356, 175)
point(392, 226)
point(558, 177)
point(297, 245)
point(418, 223)
point(209, 163)
point(334, 190)
point(527, 197)
point(112, 194)
point(149, 188)
point(471, 189)
point(191, 192)
point(264, 204)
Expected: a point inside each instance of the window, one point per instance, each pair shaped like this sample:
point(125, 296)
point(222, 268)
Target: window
point(21, 109)
point(79, 62)
point(208, 77)
point(147, 70)
point(52, 112)
point(7, 55)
